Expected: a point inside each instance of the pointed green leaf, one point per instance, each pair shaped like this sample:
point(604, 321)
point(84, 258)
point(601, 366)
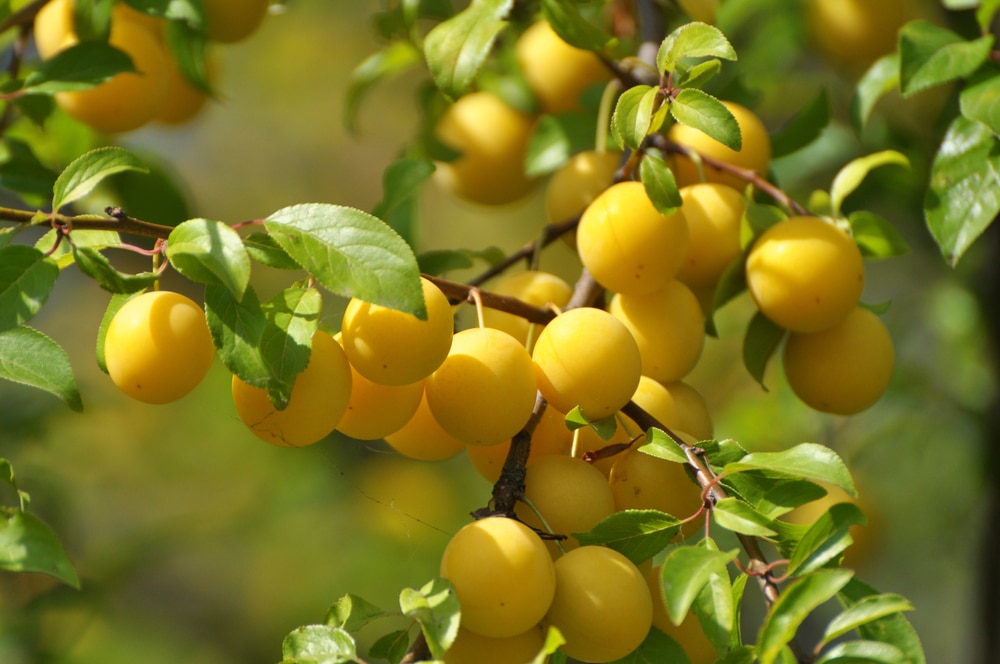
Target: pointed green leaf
point(698, 75)
point(77, 68)
point(894, 629)
point(931, 55)
point(826, 539)
point(693, 40)
point(875, 236)
point(865, 611)
point(27, 277)
point(637, 534)
point(662, 446)
point(739, 517)
point(633, 115)
point(553, 640)
point(795, 603)
point(715, 606)
point(573, 28)
point(986, 13)
point(805, 461)
point(760, 342)
point(21, 171)
point(740, 655)
point(352, 613)
point(319, 644)
point(701, 110)
point(286, 341)
point(803, 128)
point(455, 49)
point(263, 248)
point(435, 607)
point(964, 194)
point(29, 545)
point(659, 182)
point(394, 59)
point(863, 652)
point(391, 646)
point(401, 181)
point(555, 139)
point(88, 170)
point(210, 252)
point(351, 253)
point(95, 265)
point(786, 495)
point(656, 648)
point(237, 326)
point(685, 571)
point(63, 254)
point(854, 173)
point(881, 78)
point(30, 358)
point(980, 99)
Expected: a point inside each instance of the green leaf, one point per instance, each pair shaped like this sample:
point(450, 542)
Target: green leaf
point(826, 539)
point(854, 173)
point(715, 606)
point(697, 76)
point(394, 59)
point(875, 236)
point(702, 111)
point(803, 128)
point(351, 253)
point(553, 640)
point(881, 78)
point(656, 648)
point(637, 534)
point(693, 40)
point(30, 358)
point(605, 428)
point(634, 114)
point(762, 339)
point(659, 182)
point(116, 303)
point(391, 646)
point(27, 277)
point(740, 655)
point(662, 446)
point(401, 182)
point(964, 193)
point(986, 13)
point(979, 100)
point(894, 629)
point(573, 28)
point(351, 613)
point(319, 644)
point(685, 571)
point(785, 495)
point(440, 261)
point(556, 138)
point(63, 253)
point(22, 172)
point(95, 265)
point(805, 460)
point(77, 68)
point(455, 49)
point(863, 652)
point(863, 612)
point(931, 55)
point(263, 248)
point(28, 545)
point(435, 607)
point(737, 516)
point(286, 341)
point(88, 170)
point(795, 603)
point(237, 326)
point(210, 252)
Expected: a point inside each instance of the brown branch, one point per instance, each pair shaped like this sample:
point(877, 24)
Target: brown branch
point(23, 16)
point(116, 220)
point(464, 293)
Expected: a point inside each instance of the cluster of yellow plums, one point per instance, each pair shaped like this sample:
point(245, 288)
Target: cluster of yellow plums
point(158, 91)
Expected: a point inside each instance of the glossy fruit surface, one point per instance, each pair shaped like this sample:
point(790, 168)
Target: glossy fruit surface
point(395, 348)
point(713, 212)
point(578, 182)
point(318, 401)
point(423, 438)
point(668, 327)
point(484, 391)
point(805, 274)
point(627, 244)
point(855, 33)
point(234, 20)
point(157, 347)
point(551, 436)
point(532, 286)
point(602, 604)
point(503, 576)
point(492, 139)
point(557, 72)
point(586, 357)
point(375, 410)
point(842, 370)
point(642, 481)
point(471, 648)
point(754, 155)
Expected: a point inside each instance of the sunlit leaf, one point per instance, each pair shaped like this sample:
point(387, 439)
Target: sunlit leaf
point(95, 265)
point(881, 78)
point(855, 172)
point(637, 534)
point(685, 571)
point(659, 182)
point(209, 252)
point(633, 115)
point(693, 40)
point(455, 49)
point(29, 545)
point(739, 517)
point(826, 539)
point(88, 170)
point(863, 612)
point(796, 602)
point(702, 111)
point(435, 607)
point(30, 358)
point(319, 644)
point(805, 460)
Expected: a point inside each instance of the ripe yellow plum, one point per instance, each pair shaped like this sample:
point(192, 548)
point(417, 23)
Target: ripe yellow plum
point(183, 100)
point(755, 154)
point(375, 410)
point(578, 182)
point(805, 274)
point(570, 494)
point(492, 138)
point(668, 327)
point(503, 575)
point(318, 401)
point(866, 538)
point(557, 72)
point(471, 648)
point(855, 33)
point(551, 436)
point(395, 348)
point(423, 438)
point(714, 213)
point(532, 286)
point(627, 244)
point(588, 441)
point(484, 391)
point(602, 604)
point(234, 20)
point(642, 481)
point(157, 347)
point(586, 357)
point(842, 370)
point(693, 415)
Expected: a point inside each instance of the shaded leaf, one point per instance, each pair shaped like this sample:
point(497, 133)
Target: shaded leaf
point(656, 648)
point(391, 646)
point(879, 80)
point(394, 59)
point(236, 326)
point(795, 603)
point(286, 340)
point(854, 173)
point(894, 629)
point(88, 170)
point(30, 358)
point(352, 613)
point(633, 115)
point(762, 339)
point(863, 652)
point(79, 67)
point(863, 612)
point(573, 28)
point(114, 304)
point(980, 99)
point(826, 539)
point(95, 265)
point(27, 277)
point(29, 545)
point(659, 183)
point(875, 236)
point(263, 248)
point(22, 172)
point(556, 138)
point(931, 55)
point(636, 534)
point(715, 606)
point(455, 49)
point(210, 252)
point(803, 128)
point(685, 571)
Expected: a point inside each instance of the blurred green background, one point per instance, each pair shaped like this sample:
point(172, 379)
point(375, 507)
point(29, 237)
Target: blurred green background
point(196, 542)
